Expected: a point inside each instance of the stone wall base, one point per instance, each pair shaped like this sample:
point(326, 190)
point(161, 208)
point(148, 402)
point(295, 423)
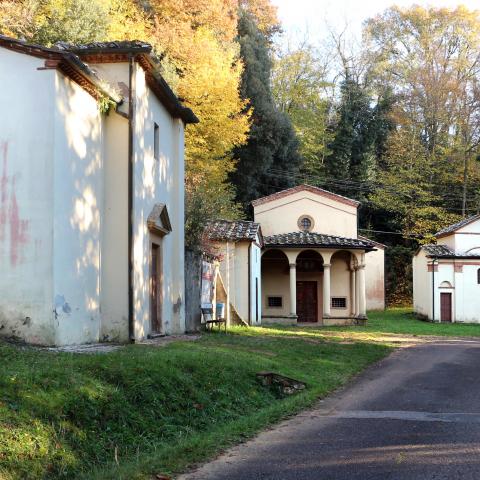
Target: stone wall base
point(327, 321)
point(288, 320)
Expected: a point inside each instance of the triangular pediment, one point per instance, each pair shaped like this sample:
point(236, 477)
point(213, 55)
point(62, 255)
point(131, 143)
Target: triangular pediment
point(159, 221)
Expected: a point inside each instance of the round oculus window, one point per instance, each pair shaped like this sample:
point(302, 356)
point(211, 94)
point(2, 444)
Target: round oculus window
point(305, 223)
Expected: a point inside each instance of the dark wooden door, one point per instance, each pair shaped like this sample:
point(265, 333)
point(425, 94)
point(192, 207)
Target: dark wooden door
point(155, 290)
point(446, 307)
point(307, 304)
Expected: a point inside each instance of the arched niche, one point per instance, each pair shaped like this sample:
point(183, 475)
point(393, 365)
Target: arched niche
point(275, 260)
point(309, 261)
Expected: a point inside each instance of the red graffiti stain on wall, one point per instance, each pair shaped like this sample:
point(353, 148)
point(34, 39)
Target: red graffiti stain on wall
point(10, 213)
point(3, 191)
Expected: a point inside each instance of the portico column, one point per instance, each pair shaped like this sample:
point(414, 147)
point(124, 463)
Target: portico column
point(293, 289)
point(352, 291)
point(326, 289)
point(362, 301)
point(357, 291)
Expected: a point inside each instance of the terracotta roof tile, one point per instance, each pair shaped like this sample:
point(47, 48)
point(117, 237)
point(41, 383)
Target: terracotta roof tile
point(233, 231)
point(443, 251)
point(377, 244)
point(311, 239)
point(124, 46)
point(456, 226)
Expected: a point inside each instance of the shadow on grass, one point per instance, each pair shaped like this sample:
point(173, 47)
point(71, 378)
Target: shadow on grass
point(143, 410)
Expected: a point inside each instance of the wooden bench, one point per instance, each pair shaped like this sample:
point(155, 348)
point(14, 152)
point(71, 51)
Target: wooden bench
point(209, 320)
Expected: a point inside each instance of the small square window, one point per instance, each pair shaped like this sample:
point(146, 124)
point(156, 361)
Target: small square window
point(275, 302)
point(339, 302)
point(156, 141)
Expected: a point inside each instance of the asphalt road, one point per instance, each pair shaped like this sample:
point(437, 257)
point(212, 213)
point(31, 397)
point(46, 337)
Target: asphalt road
point(415, 415)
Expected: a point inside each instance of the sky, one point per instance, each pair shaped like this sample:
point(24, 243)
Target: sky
point(302, 18)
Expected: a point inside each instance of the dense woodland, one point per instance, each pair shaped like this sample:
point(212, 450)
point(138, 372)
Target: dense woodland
point(392, 120)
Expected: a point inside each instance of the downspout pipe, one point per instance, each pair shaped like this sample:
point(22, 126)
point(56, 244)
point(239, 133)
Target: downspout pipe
point(433, 288)
point(250, 284)
point(131, 139)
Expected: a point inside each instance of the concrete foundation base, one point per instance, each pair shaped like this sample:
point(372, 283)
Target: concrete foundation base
point(271, 320)
point(327, 321)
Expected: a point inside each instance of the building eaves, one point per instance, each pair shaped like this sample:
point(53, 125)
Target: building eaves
point(443, 251)
point(457, 226)
point(118, 51)
point(124, 46)
point(377, 244)
point(233, 231)
point(68, 63)
point(319, 240)
point(305, 188)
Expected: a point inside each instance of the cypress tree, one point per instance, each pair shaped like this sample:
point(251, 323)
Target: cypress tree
point(270, 159)
point(360, 134)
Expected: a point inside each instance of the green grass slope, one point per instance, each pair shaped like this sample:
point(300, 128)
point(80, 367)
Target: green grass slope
point(145, 410)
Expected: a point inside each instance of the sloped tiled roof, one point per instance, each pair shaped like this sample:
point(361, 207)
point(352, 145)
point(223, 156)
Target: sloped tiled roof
point(377, 244)
point(67, 62)
point(73, 61)
point(117, 46)
point(456, 226)
point(443, 251)
point(311, 239)
point(233, 231)
point(438, 250)
point(305, 188)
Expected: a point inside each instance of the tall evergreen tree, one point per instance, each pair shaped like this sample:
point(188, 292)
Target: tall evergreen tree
point(361, 130)
point(270, 159)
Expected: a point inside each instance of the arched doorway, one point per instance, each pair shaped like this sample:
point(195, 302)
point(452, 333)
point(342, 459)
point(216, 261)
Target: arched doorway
point(309, 267)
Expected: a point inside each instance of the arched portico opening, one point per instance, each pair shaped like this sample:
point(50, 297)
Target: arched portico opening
point(275, 284)
point(309, 286)
point(309, 261)
point(343, 284)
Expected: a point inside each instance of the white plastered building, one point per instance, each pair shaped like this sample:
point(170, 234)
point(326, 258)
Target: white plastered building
point(446, 276)
point(314, 266)
point(238, 246)
point(91, 204)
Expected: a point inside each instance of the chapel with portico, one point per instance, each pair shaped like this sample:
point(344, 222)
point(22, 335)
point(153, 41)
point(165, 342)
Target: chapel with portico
point(313, 262)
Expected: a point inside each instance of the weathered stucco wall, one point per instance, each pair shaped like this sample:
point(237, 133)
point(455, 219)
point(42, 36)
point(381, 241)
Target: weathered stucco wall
point(467, 290)
point(235, 277)
point(114, 286)
point(459, 277)
point(276, 282)
point(26, 198)
point(330, 216)
point(340, 282)
point(78, 202)
point(375, 279)
point(63, 207)
point(158, 181)
point(468, 237)
point(421, 285)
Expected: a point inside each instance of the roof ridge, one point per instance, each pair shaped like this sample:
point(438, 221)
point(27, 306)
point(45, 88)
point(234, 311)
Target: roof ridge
point(456, 226)
point(304, 187)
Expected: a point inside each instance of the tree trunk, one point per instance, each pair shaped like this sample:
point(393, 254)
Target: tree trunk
point(465, 178)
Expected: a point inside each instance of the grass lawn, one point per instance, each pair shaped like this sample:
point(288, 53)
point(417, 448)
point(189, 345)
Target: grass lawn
point(403, 321)
point(144, 410)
